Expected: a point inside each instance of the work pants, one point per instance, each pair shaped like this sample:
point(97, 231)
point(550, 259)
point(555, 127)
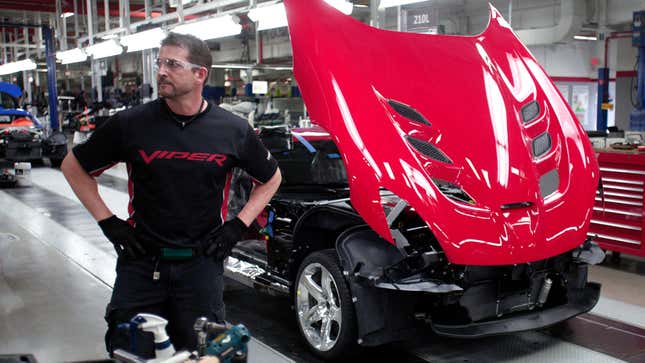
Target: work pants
point(184, 291)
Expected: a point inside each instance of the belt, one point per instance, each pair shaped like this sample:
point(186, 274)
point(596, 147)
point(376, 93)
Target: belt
point(178, 254)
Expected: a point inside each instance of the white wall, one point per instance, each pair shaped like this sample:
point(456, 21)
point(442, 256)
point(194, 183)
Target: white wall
point(620, 11)
point(526, 14)
point(622, 55)
point(567, 60)
point(623, 103)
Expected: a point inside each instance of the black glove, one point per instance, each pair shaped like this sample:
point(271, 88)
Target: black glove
point(221, 240)
point(123, 237)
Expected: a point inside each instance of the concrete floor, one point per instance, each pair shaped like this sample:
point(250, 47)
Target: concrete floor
point(56, 272)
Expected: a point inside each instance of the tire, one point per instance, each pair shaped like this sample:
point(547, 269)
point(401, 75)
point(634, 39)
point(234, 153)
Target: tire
point(318, 315)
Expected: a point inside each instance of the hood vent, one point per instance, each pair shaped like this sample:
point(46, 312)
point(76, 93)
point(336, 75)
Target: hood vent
point(530, 111)
point(549, 183)
point(408, 112)
point(428, 150)
point(541, 145)
point(516, 205)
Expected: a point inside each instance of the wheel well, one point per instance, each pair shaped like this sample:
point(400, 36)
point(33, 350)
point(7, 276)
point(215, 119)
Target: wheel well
point(318, 229)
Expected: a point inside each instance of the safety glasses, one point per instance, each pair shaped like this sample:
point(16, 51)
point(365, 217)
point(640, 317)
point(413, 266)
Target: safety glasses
point(174, 65)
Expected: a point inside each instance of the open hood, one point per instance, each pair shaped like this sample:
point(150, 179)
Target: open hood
point(468, 130)
point(10, 89)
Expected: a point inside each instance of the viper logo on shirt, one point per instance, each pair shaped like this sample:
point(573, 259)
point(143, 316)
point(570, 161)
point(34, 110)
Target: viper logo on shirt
point(219, 159)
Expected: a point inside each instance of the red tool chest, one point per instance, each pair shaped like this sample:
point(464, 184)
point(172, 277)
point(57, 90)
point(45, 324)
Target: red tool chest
point(617, 221)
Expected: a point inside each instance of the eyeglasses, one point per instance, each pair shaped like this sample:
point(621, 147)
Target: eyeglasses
point(174, 65)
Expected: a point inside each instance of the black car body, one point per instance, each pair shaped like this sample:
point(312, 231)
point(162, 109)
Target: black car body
point(22, 136)
point(310, 236)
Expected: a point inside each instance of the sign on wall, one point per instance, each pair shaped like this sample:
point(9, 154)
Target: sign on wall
point(420, 19)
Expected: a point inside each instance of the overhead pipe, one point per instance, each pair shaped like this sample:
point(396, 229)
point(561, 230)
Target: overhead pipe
point(572, 16)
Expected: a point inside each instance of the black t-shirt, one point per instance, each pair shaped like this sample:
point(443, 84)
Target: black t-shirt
point(178, 175)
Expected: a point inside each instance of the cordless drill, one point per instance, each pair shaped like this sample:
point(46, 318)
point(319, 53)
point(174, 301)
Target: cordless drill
point(229, 343)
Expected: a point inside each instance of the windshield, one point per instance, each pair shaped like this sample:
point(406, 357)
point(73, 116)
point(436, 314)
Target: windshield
point(7, 101)
point(316, 163)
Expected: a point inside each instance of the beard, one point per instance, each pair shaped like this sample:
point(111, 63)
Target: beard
point(170, 90)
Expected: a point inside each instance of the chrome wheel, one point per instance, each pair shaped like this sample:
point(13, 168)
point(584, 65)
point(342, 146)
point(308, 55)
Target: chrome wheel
point(318, 307)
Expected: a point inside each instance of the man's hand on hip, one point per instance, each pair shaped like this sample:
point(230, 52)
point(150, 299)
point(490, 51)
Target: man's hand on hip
point(221, 240)
point(123, 237)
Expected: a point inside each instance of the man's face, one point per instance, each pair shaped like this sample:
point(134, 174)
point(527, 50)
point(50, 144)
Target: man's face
point(175, 75)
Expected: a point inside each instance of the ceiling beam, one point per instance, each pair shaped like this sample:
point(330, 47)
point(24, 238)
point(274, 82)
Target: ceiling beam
point(50, 7)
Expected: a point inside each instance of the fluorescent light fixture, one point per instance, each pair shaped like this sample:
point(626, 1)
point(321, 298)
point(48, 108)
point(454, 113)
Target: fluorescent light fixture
point(174, 3)
point(71, 56)
point(66, 14)
point(144, 40)
point(342, 6)
point(272, 67)
point(269, 17)
point(217, 27)
point(391, 3)
point(19, 66)
point(105, 49)
point(585, 37)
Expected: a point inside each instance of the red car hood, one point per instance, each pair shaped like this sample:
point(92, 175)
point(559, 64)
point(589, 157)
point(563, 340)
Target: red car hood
point(489, 121)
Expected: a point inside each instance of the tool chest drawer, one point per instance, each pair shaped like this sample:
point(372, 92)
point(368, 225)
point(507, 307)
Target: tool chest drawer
point(617, 221)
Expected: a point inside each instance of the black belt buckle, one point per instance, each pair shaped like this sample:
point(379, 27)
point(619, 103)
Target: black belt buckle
point(177, 254)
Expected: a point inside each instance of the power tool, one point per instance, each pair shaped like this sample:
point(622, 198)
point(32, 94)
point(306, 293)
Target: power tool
point(226, 342)
point(229, 343)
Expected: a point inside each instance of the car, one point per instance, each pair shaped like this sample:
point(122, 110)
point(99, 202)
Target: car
point(22, 136)
point(461, 199)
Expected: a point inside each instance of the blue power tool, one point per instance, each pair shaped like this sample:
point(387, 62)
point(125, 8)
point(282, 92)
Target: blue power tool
point(229, 343)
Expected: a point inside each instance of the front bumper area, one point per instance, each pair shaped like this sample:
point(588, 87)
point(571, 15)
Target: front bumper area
point(580, 301)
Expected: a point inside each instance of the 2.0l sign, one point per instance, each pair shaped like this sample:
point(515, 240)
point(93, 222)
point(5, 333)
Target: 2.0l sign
point(420, 19)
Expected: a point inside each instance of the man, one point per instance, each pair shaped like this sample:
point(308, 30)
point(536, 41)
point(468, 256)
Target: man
point(179, 152)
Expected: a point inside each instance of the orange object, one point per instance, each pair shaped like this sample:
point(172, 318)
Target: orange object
point(22, 121)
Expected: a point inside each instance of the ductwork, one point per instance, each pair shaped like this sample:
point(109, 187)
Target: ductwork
point(572, 16)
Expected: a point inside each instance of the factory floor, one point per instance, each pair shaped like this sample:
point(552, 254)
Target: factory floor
point(56, 273)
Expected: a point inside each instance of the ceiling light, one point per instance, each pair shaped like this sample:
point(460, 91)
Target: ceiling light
point(274, 67)
point(269, 17)
point(174, 3)
point(66, 14)
point(391, 3)
point(19, 66)
point(585, 37)
point(218, 27)
point(104, 49)
point(144, 40)
point(71, 56)
point(341, 5)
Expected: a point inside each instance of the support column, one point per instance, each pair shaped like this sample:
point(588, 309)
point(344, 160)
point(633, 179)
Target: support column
point(147, 61)
point(94, 65)
point(76, 15)
point(603, 97)
point(26, 74)
point(374, 13)
point(106, 16)
point(50, 52)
